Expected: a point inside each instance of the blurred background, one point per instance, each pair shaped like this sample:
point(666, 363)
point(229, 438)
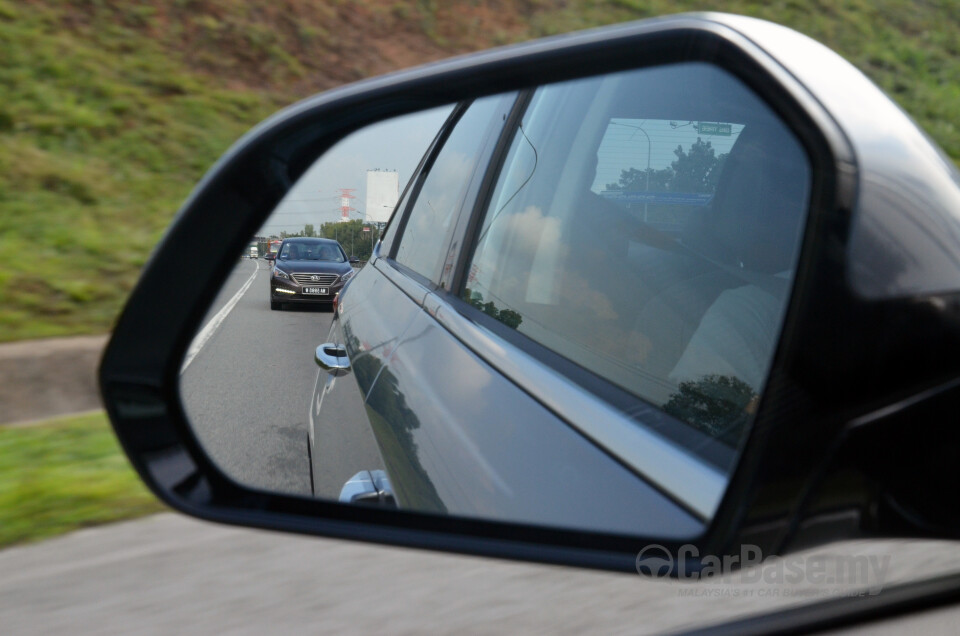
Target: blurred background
point(111, 110)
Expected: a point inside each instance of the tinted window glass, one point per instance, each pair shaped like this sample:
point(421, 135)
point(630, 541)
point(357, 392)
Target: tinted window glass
point(645, 226)
point(434, 213)
point(312, 251)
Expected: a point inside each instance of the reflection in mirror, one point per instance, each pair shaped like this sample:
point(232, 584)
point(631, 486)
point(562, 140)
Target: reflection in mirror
point(637, 232)
point(248, 377)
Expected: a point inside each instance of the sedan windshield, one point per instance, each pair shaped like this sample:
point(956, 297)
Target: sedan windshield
point(311, 252)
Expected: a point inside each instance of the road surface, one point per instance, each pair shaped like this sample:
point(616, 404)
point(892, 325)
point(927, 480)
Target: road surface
point(172, 575)
point(248, 381)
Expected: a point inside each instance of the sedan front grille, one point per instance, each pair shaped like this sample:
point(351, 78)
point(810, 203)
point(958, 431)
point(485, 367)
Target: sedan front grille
point(316, 279)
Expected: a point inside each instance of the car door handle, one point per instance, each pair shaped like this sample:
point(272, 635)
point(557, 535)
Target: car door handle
point(333, 359)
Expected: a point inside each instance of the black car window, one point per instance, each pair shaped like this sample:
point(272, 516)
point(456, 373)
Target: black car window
point(645, 226)
point(433, 216)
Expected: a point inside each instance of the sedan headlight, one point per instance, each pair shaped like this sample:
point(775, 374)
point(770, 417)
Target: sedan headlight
point(279, 273)
point(348, 275)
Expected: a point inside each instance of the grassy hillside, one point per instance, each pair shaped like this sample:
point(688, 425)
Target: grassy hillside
point(113, 109)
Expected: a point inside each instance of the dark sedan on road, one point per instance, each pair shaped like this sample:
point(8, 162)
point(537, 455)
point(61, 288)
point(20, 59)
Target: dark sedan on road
point(308, 270)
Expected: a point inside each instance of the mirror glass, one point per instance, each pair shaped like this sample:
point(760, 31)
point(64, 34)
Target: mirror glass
point(626, 245)
point(249, 375)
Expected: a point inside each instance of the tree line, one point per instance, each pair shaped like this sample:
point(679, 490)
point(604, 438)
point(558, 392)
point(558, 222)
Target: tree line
point(696, 170)
point(350, 234)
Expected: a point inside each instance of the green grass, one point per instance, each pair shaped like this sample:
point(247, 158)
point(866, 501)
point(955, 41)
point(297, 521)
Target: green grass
point(102, 136)
point(112, 110)
point(65, 474)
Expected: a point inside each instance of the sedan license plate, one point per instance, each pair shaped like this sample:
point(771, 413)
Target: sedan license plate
point(315, 290)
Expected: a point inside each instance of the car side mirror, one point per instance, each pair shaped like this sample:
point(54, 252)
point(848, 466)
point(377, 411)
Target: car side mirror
point(837, 431)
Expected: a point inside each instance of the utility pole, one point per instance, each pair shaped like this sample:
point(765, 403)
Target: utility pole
point(649, 151)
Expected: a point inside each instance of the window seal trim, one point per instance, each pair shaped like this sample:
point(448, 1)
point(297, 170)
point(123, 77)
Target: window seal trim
point(466, 234)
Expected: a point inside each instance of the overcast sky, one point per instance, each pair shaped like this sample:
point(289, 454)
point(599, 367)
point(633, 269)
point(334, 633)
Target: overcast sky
point(396, 144)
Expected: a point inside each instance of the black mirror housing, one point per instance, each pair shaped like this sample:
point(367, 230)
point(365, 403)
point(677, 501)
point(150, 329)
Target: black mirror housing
point(792, 485)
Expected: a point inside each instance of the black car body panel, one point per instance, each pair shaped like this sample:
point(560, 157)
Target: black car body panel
point(510, 459)
point(333, 460)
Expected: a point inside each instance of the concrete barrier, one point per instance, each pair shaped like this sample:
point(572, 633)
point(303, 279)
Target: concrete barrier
point(45, 378)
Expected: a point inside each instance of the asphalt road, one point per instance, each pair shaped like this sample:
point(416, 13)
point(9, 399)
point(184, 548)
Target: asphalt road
point(172, 575)
point(247, 389)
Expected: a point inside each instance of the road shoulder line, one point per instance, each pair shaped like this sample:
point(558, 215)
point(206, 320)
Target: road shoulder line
point(211, 327)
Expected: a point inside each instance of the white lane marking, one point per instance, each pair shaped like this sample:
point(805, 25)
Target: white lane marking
point(211, 327)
